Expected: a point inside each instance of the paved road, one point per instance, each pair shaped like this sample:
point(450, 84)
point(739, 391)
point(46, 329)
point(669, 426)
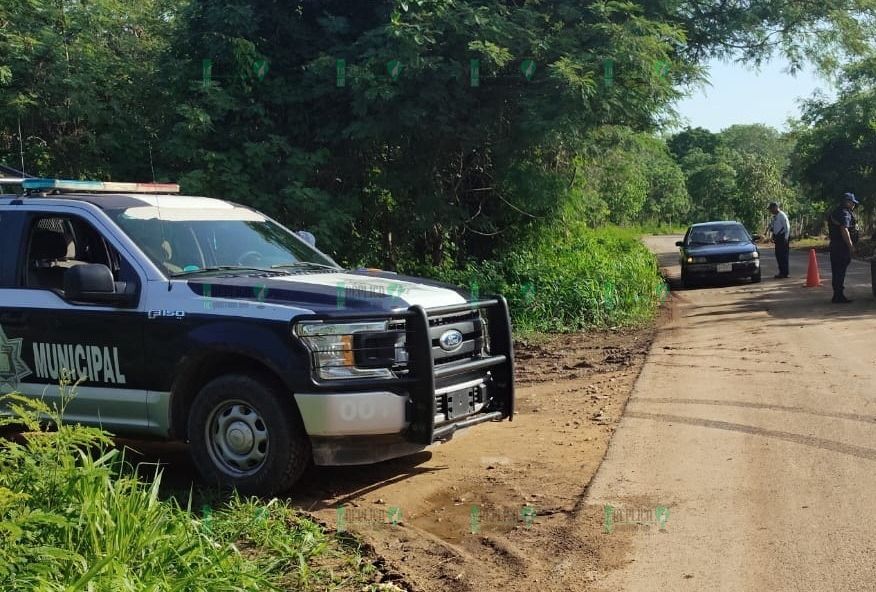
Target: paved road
point(754, 423)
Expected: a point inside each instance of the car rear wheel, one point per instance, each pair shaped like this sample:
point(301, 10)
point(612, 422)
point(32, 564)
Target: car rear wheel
point(246, 434)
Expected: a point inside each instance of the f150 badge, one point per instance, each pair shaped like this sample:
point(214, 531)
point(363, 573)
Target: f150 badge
point(164, 314)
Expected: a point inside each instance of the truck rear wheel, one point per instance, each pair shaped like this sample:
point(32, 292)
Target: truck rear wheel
point(246, 434)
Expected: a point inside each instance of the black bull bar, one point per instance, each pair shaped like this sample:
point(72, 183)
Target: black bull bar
point(419, 380)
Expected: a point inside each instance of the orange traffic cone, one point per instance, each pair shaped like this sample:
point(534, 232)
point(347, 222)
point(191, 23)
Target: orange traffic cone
point(813, 280)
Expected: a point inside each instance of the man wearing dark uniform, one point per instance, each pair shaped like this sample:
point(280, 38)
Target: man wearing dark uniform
point(841, 224)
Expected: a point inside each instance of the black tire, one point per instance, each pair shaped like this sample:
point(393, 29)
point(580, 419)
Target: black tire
point(686, 282)
point(257, 419)
point(755, 279)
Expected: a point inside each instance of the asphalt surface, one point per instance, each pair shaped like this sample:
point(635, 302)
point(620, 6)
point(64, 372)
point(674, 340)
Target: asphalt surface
point(753, 423)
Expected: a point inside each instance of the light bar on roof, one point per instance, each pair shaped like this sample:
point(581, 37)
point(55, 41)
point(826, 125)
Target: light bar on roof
point(98, 186)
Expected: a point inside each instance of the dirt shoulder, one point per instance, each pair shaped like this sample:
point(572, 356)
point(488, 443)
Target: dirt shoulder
point(572, 390)
point(526, 480)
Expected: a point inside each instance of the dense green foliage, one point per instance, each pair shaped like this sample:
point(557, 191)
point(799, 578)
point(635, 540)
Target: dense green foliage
point(555, 288)
point(408, 133)
point(81, 81)
point(624, 178)
point(570, 277)
point(836, 142)
point(425, 164)
point(74, 517)
point(734, 174)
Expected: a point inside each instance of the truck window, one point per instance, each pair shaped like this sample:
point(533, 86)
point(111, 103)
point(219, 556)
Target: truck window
point(180, 240)
point(56, 243)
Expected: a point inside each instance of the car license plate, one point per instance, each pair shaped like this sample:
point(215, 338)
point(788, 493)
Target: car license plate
point(724, 267)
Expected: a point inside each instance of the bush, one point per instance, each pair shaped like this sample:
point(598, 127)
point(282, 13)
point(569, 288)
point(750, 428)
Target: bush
point(571, 278)
point(73, 516)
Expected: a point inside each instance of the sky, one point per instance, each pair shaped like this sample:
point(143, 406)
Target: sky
point(740, 94)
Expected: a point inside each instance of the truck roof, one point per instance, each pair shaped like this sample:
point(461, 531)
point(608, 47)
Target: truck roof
point(111, 194)
point(115, 201)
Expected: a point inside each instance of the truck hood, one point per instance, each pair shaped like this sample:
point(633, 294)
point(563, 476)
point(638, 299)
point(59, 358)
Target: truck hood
point(354, 291)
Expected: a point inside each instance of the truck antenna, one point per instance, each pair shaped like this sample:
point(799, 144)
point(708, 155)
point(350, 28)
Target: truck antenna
point(21, 145)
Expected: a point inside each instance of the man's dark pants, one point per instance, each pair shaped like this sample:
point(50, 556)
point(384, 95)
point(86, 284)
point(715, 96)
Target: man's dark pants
point(783, 252)
point(840, 257)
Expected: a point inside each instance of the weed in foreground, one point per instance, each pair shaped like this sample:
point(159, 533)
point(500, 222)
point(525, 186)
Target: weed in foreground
point(74, 516)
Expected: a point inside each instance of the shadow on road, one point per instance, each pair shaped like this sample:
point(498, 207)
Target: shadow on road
point(790, 302)
point(319, 487)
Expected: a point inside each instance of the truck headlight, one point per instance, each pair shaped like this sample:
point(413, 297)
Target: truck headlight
point(749, 256)
point(352, 350)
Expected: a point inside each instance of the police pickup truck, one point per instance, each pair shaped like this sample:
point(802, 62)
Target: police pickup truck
point(206, 321)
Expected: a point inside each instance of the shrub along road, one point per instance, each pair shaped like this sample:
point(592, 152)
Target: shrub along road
point(752, 423)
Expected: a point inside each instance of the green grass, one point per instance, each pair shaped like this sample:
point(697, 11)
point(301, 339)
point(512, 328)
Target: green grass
point(865, 249)
point(74, 516)
point(810, 242)
point(571, 278)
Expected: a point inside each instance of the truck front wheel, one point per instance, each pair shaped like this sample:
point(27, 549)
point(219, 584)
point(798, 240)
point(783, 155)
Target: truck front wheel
point(245, 433)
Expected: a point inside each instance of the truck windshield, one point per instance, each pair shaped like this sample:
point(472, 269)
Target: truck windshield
point(186, 241)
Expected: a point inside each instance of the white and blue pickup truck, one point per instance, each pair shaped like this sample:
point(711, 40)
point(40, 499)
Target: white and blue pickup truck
point(202, 320)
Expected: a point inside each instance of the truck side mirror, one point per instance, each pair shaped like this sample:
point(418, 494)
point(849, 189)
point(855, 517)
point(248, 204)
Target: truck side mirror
point(307, 237)
point(679, 243)
point(94, 283)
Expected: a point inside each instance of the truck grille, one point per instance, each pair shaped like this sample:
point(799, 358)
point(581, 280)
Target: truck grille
point(470, 324)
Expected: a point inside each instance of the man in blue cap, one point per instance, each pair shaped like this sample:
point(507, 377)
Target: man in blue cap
point(843, 231)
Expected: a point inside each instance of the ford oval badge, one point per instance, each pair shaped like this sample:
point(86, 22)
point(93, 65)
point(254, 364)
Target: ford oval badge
point(450, 340)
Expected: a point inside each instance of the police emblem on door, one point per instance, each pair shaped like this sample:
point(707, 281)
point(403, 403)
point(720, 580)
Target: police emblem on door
point(12, 367)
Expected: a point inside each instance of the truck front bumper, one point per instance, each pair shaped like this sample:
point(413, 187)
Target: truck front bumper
point(349, 414)
point(363, 421)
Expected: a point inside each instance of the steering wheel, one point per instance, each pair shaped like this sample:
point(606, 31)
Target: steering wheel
point(244, 259)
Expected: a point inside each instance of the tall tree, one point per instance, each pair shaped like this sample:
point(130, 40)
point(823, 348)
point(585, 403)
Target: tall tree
point(409, 130)
point(836, 142)
point(82, 83)
point(406, 120)
point(690, 139)
point(760, 140)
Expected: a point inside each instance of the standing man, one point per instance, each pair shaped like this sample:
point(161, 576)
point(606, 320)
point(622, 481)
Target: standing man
point(781, 231)
point(841, 224)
